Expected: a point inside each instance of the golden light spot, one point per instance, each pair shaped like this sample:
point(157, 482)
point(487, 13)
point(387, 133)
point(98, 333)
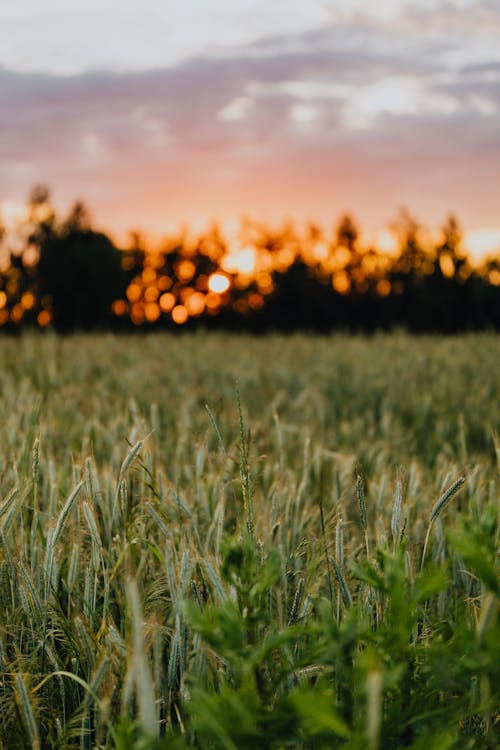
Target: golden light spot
point(428, 267)
point(218, 283)
point(240, 261)
point(151, 293)
point(133, 292)
point(212, 301)
point(386, 242)
point(119, 307)
point(447, 265)
point(265, 283)
point(185, 293)
point(185, 270)
point(164, 283)
point(341, 282)
point(320, 252)
point(151, 312)
point(195, 303)
point(3, 300)
point(17, 313)
point(369, 264)
point(167, 301)
point(383, 287)
point(341, 257)
point(265, 260)
point(494, 277)
point(256, 301)
point(179, 314)
point(31, 256)
point(41, 212)
point(284, 259)
point(148, 275)
point(4, 316)
point(28, 300)
point(137, 314)
point(43, 318)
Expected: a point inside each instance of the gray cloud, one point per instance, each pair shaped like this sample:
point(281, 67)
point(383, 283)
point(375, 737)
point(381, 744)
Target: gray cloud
point(308, 130)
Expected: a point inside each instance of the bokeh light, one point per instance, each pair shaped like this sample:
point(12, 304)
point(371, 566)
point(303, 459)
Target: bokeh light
point(218, 283)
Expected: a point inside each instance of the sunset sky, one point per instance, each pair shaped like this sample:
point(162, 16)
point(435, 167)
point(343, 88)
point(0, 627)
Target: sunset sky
point(159, 113)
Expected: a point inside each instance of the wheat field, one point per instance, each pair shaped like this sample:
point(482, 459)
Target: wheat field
point(216, 541)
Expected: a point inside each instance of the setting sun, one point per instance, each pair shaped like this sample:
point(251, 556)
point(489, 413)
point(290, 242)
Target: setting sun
point(218, 283)
point(483, 242)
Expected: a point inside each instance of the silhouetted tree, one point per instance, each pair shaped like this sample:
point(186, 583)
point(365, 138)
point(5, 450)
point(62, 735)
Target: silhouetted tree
point(79, 272)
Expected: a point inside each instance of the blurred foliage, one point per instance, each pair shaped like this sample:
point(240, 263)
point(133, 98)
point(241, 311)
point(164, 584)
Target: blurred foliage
point(61, 272)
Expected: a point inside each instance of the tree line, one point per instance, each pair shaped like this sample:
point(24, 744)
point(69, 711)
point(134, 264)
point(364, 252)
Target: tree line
point(61, 273)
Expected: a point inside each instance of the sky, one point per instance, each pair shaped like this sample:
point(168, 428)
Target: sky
point(159, 113)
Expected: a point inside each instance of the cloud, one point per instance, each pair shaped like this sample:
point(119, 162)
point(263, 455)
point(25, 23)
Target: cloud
point(352, 115)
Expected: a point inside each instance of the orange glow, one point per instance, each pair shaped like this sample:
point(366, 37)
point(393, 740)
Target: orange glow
point(341, 282)
point(185, 270)
point(179, 314)
point(212, 301)
point(447, 266)
point(151, 312)
point(386, 242)
point(128, 262)
point(256, 301)
point(320, 252)
point(167, 301)
point(383, 287)
point(31, 256)
point(494, 277)
point(137, 314)
point(265, 283)
point(202, 283)
point(369, 263)
point(218, 283)
point(28, 300)
point(3, 300)
point(185, 293)
point(148, 275)
point(195, 303)
point(43, 318)
point(4, 316)
point(133, 292)
point(341, 258)
point(164, 283)
point(119, 307)
point(483, 241)
point(17, 312)
point(284, 259)
point(151, 293)
point(240, 261)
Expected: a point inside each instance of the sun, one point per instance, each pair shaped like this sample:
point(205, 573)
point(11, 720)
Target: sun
point(483, 242)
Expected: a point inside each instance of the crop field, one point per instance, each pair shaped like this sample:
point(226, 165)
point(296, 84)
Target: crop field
point(213, 541)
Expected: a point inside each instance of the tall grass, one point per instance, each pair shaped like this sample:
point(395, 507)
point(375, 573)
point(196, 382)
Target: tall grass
point(187, 562)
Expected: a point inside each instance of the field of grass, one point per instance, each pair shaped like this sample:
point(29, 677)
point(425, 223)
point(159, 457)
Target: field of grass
point(211, 541)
